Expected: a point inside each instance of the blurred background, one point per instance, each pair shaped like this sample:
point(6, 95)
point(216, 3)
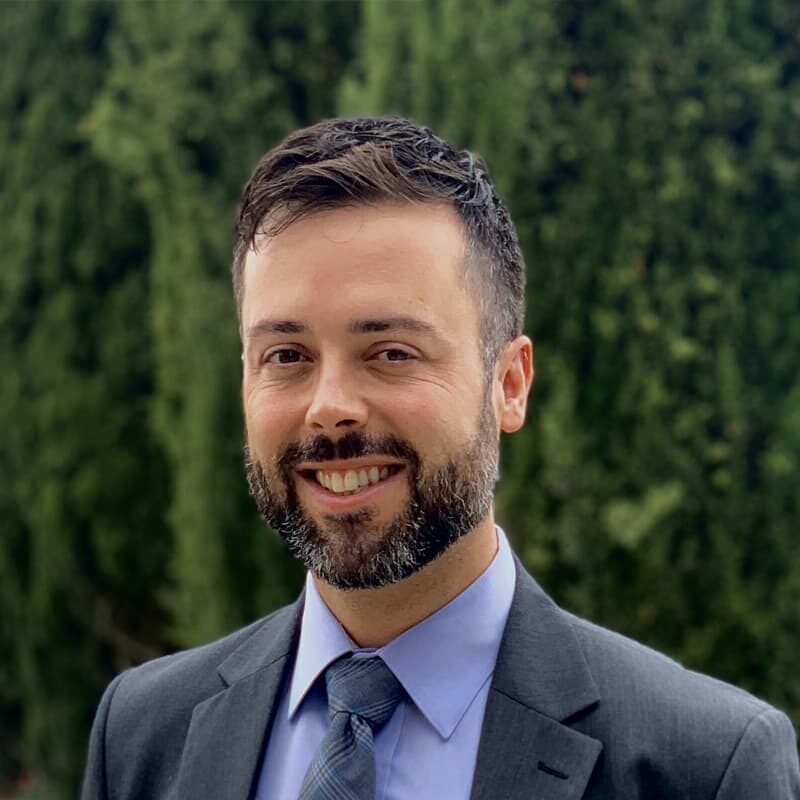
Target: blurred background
point(649, 151)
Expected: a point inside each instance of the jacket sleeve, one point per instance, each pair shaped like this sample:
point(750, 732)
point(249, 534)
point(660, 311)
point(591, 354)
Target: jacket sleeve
point(764, 763)
point(95, 785)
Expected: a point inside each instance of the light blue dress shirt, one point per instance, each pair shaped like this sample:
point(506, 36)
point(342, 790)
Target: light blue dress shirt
point(445, 663)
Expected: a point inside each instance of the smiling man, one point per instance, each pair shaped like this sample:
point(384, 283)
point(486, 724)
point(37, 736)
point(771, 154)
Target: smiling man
point(380, 291)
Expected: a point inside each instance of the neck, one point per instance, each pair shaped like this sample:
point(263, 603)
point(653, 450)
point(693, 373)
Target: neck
point(373, 617)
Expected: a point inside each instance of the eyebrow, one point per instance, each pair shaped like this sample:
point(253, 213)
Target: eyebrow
point(393, 324)
point(378, 325)
point(266, 326)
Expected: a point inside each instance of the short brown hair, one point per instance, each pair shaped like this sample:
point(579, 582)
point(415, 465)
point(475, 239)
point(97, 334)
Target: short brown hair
point(341, 162)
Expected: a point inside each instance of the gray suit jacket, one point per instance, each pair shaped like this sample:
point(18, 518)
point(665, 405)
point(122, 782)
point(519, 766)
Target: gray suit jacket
point(574, 711)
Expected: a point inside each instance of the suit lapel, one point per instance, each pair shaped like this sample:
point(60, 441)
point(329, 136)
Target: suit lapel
point(227, 731)
point(527, 751)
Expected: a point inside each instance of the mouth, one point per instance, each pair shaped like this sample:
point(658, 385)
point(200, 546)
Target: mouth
point(347, 482)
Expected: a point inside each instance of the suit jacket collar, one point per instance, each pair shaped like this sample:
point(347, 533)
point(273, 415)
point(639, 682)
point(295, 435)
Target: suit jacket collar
point(541, 663)
point(541, 680)
point(228, 731)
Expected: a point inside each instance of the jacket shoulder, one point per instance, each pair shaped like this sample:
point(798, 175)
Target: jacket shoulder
point(663, 725)
point(185, 677)
point(625, 668)
point(144, 716)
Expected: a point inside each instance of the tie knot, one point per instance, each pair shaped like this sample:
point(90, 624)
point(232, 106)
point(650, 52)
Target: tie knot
point(365, 687)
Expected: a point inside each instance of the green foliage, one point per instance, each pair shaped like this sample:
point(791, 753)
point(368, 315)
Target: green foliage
point(77, 376)
point(154, 123)
point(649, 153)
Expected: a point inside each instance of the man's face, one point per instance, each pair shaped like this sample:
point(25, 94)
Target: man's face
point(371, 435)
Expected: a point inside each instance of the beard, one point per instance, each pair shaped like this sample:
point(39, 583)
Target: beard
point(352, 550)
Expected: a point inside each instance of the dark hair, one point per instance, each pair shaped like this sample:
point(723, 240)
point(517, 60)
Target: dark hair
point(345, 161)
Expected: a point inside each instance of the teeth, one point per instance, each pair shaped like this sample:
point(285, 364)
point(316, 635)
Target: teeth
point(351, 481)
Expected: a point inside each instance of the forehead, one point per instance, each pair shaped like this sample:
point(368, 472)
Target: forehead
point(361, 261)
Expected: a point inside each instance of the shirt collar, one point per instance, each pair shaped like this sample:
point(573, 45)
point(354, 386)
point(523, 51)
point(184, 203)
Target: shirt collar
point(442, 661)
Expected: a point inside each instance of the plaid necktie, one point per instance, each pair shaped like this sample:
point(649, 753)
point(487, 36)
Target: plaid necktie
point(362, 696)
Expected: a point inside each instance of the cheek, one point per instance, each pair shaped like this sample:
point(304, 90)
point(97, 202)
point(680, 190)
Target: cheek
point(431, 422)
point(269, 423)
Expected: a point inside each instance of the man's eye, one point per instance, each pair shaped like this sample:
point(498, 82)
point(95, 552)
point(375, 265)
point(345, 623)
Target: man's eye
point(286, 355)
point(394, 354)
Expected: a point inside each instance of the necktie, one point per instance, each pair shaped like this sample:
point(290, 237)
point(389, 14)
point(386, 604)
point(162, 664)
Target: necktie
point(362, 695)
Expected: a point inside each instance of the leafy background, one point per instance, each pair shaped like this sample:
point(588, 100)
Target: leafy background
point(650, 154)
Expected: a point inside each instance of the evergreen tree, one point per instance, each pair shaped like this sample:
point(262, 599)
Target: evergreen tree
point(83, 490)
point(194, 96)
point(173, 116)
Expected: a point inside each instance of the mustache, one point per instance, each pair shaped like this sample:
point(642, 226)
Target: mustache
point(354, 444)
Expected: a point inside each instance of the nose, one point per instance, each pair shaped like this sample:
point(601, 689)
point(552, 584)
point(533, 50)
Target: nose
point(336, 402)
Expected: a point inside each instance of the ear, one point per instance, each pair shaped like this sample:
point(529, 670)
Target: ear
point(513, 380)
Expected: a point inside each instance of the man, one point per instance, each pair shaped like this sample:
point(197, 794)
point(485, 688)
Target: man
point(380, 291)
